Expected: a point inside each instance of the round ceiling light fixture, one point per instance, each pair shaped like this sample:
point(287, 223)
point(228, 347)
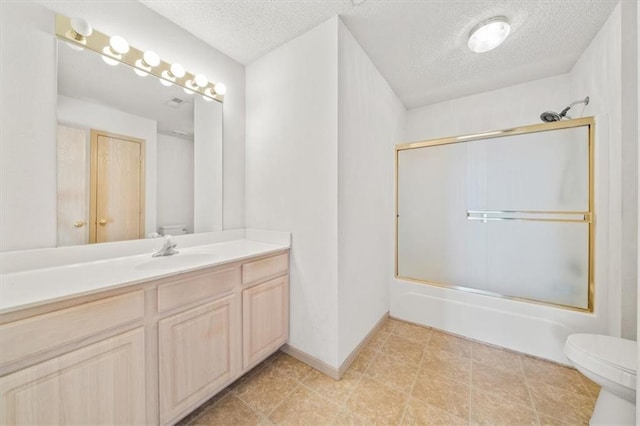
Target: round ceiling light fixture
point(489, 34)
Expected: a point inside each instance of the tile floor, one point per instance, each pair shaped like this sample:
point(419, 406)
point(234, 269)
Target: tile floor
point(407, 375)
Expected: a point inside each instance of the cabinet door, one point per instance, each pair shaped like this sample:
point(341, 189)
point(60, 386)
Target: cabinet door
point(99, 384)
point(199, 353)
point(265, 310)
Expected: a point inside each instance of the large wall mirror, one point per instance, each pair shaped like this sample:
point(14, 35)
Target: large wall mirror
point(136, 158)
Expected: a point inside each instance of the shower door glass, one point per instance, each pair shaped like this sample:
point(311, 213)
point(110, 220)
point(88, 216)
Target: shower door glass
point(506, 213)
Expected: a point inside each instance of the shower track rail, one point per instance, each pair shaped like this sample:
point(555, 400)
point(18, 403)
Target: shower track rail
point(530, 215)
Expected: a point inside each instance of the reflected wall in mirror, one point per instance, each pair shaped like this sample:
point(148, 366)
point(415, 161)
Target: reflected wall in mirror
point(135, 157)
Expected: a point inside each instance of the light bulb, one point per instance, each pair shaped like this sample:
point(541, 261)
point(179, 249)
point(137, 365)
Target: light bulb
point(119, 45)
point(140, 72)
point(220, 88)
point(489, 34)
point(80, 29)
point(201, 80)
point(165, 82)
point(110, 61)
point(187, 91)
point(177, 70)
point(151, 58)
point(206, 98)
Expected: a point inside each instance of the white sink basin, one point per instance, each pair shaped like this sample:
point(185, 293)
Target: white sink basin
point(176, 261)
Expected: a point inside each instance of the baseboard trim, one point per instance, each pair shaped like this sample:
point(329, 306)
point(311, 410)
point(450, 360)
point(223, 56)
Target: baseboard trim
point(356, 351)
point(312, 361)
point(329, 370)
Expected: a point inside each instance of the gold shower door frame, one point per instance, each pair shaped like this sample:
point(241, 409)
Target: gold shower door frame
point(587, 217)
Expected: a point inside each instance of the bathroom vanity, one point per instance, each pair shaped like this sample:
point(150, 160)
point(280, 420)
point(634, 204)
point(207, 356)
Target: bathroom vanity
point(147, 341)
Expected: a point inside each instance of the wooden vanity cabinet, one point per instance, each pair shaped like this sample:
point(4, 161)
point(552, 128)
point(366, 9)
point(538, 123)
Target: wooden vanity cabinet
point(146, 354)
point(265, 308)
point(81, 364)
point(199, 354)
point(265, 320)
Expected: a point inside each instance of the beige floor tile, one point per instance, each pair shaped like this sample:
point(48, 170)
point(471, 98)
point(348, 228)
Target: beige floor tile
point(393, 371)
point(447, 364)
point(376, 403)
point(550, 421)
point(266, 389)
point(553, 402)
point(304, 407)
point(347, 417)
point(490, 409)
point(562, 377)
point(388, 325)
point(402, 348)
point(443, 392)
point(450, 343)
point(412, 332)
point(508, 386)
point(228, 411)
point(363, 360)
point(500, 359)
point(377, 340)
point(336, 391)
point(421, 413)
point(593, 389)
point(286, 364)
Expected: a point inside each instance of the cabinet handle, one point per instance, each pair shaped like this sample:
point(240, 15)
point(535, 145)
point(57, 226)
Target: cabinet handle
point(102, 222)
point(79, 224)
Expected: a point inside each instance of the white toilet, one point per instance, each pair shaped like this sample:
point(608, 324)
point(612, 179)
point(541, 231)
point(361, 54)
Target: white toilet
point(612, 363)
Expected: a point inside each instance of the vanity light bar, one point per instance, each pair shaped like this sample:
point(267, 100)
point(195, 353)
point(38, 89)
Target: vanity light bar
point(97, 41)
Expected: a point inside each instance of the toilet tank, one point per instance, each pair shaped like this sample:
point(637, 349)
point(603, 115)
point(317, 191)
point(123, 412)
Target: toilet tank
point(173, 229)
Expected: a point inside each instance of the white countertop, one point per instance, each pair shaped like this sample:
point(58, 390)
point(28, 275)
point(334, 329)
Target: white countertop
point(30, 288)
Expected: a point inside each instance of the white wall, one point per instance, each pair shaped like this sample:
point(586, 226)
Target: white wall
point(606, 72)
point(370, 122)
point(87, 115)
point(28, 102)
point(499, 109)
point(27, 127)
point(638, 234)
point(530, 328)
point(292, 179)
point(175, 181)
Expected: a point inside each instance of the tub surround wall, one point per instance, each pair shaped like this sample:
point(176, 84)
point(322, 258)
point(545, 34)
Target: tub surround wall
point(320, 128)
point(28, 151)
point(530, 328)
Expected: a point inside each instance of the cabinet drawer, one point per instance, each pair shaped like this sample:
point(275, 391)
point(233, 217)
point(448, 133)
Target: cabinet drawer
point(43, 332)
point(196, 287)
point(262, 270)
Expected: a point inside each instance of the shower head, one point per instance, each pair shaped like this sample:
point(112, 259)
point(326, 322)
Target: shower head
point(551, 116)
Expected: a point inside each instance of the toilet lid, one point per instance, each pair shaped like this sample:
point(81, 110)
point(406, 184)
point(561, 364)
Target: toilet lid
point(612, 357)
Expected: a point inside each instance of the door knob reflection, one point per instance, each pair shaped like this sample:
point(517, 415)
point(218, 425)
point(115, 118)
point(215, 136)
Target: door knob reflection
point(79, 224)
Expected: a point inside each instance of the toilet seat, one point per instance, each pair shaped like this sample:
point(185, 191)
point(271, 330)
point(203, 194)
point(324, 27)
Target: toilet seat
point(611, 357)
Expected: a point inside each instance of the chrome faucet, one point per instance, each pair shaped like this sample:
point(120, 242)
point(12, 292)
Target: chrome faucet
point(168, 248)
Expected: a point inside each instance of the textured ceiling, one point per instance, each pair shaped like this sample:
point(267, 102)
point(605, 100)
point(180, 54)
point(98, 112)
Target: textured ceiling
point(419, 46)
